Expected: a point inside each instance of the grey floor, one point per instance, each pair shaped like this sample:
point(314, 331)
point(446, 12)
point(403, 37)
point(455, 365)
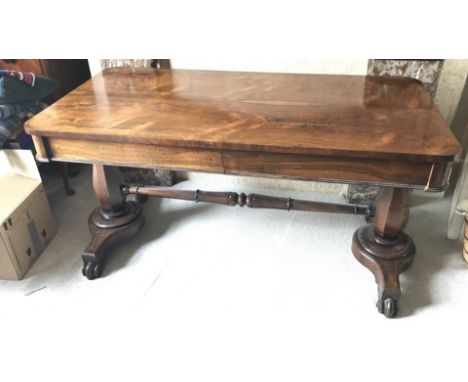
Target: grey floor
point(219, 293)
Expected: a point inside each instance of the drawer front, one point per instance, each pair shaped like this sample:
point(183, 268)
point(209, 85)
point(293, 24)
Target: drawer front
point(23, 66)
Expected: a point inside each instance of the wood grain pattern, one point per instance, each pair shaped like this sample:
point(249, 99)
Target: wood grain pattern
point(110, 199)
point(392, 212)
point(384, 248)
point(291, 166)
point(112, 222)
point(129, 154)
point(249, 200)
point(41, 152)
point(344, 116)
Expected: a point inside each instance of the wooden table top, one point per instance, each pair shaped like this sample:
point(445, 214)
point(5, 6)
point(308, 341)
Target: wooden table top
point(330, 115)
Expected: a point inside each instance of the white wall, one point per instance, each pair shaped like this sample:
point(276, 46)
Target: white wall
point(94, 66)
point(451, 83)
point(265, 65)
point(274, 65)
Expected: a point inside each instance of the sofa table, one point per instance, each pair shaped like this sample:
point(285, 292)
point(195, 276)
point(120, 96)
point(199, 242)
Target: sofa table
point(349, 129)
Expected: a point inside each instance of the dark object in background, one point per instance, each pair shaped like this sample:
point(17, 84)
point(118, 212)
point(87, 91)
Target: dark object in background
point(68, 73)
point(12, 116)
point(13, 90)
point(20, 94)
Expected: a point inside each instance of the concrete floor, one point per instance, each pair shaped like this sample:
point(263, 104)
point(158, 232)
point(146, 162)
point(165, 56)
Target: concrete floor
point(217, 293)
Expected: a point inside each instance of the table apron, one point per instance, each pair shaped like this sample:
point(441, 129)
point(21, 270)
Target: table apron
point(395, 173)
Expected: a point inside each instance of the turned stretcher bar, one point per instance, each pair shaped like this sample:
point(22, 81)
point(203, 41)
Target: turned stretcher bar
point(250, 200)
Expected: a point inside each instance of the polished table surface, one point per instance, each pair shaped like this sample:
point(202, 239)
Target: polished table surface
point(356, 116)
point(350, 128)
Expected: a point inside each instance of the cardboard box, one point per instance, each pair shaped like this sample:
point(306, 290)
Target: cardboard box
point(26, 222)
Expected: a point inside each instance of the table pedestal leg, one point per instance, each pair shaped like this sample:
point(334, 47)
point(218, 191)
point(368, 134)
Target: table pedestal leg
point(115, 220)
point(384, 248)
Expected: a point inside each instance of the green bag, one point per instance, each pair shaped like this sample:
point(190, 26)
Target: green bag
point(13, 90)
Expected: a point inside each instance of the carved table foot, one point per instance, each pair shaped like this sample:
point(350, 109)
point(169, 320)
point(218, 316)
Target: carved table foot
point(386, 259)
point(385, 249)
point(106, 233)
point(114, 221)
